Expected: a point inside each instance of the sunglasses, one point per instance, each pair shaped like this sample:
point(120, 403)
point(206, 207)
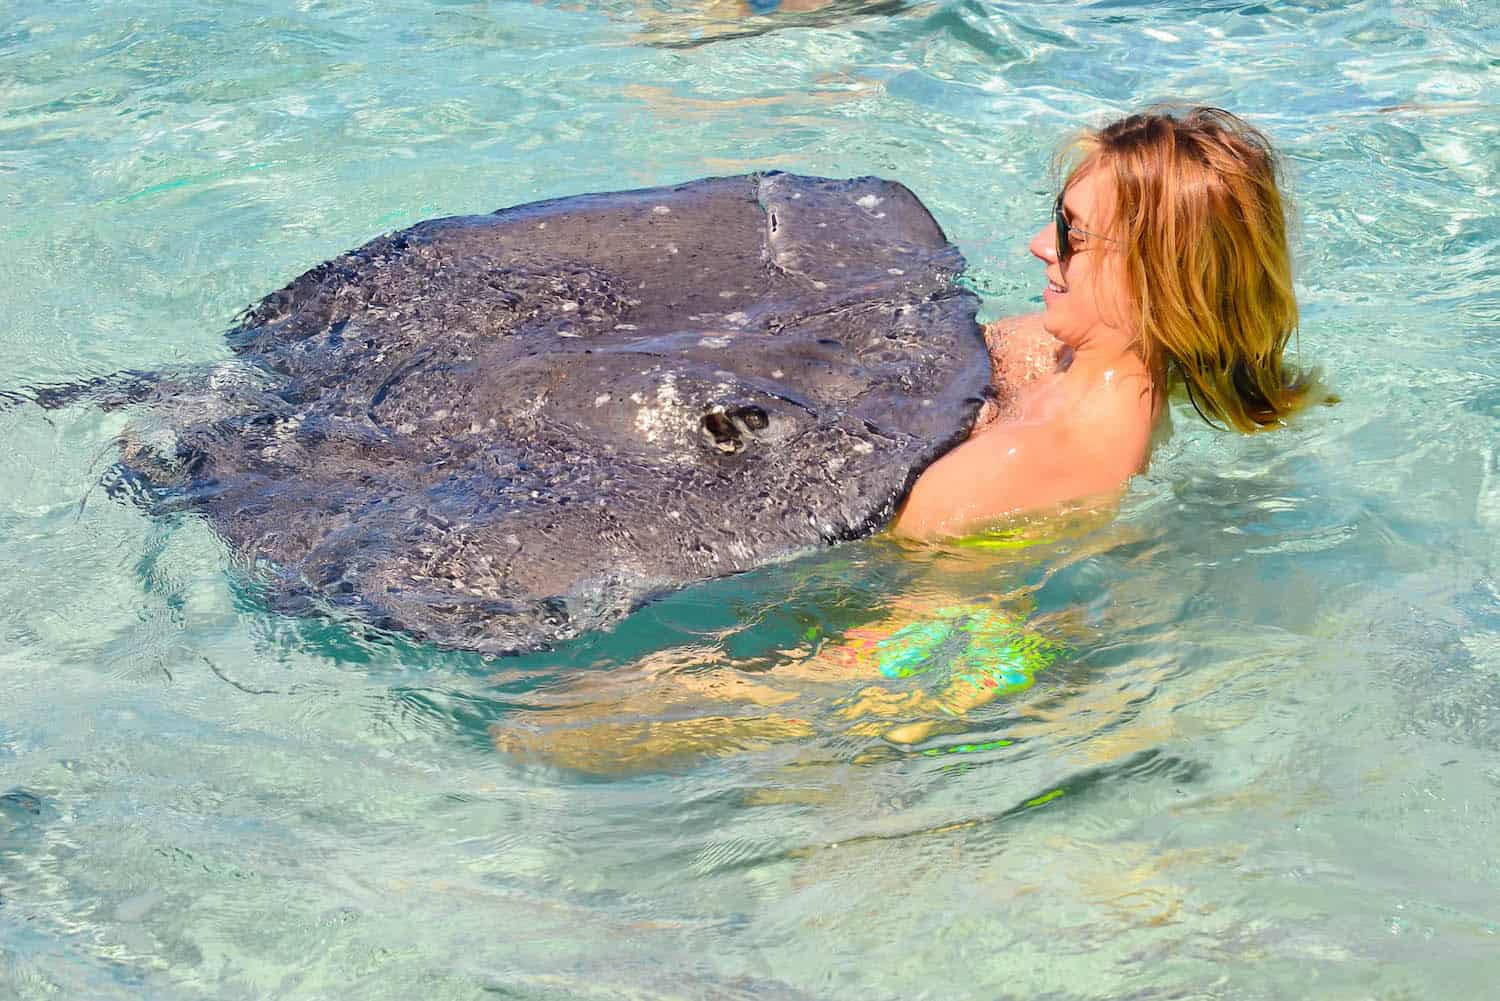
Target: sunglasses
point(1065, 231)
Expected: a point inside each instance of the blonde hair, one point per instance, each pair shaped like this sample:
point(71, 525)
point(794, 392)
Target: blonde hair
point(1200, 222)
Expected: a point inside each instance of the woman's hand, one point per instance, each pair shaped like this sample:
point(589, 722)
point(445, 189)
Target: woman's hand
point(1020, 350)
point(1020, 353)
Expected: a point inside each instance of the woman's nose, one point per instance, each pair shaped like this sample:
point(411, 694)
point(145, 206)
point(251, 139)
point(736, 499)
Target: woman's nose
point(1044, 245)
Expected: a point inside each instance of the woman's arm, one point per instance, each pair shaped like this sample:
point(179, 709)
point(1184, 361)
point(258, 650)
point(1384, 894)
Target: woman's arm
point(1021, 466)
point(1006, 468)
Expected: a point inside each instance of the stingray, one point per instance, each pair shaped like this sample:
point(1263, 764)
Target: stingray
point(497, 432)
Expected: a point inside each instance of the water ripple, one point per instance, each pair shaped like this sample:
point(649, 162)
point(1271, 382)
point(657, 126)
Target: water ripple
point(1282, 644)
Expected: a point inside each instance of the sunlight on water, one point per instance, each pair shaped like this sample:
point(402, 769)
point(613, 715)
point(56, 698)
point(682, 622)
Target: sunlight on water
point(1239, 742)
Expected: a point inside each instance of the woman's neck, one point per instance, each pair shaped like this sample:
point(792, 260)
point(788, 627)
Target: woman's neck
point(1085, 370)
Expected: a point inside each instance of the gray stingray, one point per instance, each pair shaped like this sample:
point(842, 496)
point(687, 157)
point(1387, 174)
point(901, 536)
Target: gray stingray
point(494, 432)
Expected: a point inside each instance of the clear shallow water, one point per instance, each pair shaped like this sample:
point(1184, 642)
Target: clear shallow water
point(1276, 731)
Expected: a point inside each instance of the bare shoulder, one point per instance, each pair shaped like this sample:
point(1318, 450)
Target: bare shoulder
point(1109, 429)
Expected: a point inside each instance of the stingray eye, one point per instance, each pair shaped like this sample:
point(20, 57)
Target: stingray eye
point(720, 430)
point(753, 417)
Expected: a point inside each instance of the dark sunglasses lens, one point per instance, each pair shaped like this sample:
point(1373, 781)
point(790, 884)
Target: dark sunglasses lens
point(1064, 248)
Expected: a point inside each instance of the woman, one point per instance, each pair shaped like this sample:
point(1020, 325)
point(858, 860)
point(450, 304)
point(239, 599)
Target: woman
point(1167, 264)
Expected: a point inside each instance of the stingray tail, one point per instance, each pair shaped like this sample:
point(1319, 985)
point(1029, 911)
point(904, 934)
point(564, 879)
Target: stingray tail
point(108, 392)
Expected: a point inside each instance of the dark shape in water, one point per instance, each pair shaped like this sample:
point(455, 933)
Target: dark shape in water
point(20, 808)
point(494, 432)
point(689, 25)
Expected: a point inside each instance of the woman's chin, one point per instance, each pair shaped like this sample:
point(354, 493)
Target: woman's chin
point(1051, 322)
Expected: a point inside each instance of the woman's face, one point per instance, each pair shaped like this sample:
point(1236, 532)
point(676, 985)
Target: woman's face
point(1087, 304)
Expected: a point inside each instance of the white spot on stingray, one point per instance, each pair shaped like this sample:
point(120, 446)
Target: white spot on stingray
point(661, 210)
point(541, 225)
point(601, 399)
point(777, 373)
point(652, 421)
point(867, 202)
point(796, 196)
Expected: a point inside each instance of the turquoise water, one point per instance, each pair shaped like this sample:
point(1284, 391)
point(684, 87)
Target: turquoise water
point(1267, 766)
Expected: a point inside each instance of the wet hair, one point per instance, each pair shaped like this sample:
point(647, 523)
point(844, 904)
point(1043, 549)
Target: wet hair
point(1200, 222)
